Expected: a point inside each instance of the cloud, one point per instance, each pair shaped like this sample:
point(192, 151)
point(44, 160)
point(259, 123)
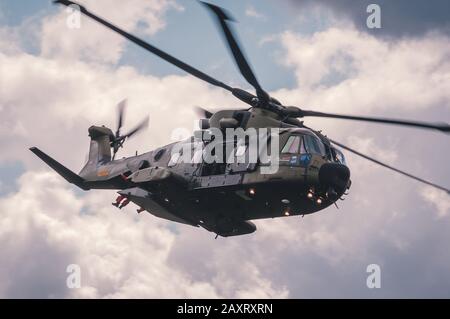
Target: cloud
point(369, 146)
point(92, 41)
point(440, 200)
point(399, 18)
point(42, 231)
point(45, 226)
point(82, 94)
point(345, 68)
point(253, 13)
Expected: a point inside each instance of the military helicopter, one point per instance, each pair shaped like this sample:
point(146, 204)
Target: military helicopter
point(221, 197)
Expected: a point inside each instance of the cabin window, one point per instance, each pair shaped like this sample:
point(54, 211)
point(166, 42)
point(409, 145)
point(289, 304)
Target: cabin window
point(197, 156)
point(144, 164)
point(159, 154)
point(240, 151)
point(174, 159)
point(236, 154)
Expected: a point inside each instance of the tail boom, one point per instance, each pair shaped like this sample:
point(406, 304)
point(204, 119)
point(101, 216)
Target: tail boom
point(66, 173)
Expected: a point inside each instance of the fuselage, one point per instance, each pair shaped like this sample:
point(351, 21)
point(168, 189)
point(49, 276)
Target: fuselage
point(311, 175)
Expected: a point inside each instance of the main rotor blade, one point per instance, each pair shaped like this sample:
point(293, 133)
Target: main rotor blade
point(120, 115)
point(443, 127)
point(238, 55)
point(142, 125)
point(390, 167)
point(163, 55)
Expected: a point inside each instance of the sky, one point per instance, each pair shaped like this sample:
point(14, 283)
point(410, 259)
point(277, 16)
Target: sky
point(55, 82)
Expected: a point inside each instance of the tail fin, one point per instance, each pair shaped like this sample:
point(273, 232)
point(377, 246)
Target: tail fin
point(67, 174)
point(100, 149)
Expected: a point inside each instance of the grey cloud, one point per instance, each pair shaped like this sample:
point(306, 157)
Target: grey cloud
point(399, 17)
point(37, 271)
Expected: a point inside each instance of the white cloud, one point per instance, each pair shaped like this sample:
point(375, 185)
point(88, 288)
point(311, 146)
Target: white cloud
point(82, 94)
point(368, 146)
point(252, 12)
point(93, 41)
point(438, 199)
point(121, 254)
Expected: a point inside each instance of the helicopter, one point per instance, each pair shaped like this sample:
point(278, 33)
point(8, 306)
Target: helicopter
point(220, 196)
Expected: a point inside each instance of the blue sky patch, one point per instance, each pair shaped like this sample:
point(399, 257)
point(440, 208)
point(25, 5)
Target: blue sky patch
point(9, 174)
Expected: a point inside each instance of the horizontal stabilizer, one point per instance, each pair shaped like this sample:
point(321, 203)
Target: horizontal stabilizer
point(68, 175)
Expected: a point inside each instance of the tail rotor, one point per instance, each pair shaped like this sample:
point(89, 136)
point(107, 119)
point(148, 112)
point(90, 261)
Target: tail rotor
point(118, 140)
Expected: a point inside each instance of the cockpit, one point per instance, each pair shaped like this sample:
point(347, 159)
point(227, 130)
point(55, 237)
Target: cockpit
point(301, 144)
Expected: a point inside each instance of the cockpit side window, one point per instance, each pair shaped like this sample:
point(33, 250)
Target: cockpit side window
point(340, 157)
point(292, 145)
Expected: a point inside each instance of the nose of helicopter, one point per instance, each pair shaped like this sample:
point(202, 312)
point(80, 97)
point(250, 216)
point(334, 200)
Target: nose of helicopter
point(335, 176)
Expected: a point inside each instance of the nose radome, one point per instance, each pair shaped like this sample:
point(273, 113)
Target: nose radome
point(334, 175)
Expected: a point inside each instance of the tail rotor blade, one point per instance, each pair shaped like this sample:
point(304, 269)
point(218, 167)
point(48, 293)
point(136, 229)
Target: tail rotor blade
point(120, 115)
point(141, 126)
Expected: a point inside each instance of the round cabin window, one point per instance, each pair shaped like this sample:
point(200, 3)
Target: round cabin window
point(159, 154)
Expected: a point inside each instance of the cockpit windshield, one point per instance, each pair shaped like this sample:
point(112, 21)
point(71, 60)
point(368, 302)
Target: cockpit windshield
point(314, 145)
point(302, 144)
